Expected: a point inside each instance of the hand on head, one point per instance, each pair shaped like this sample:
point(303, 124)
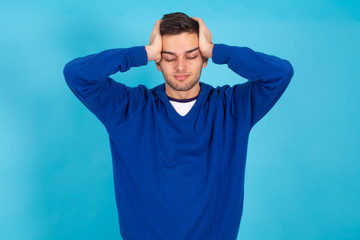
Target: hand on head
point(205, 39)
point(155, 44)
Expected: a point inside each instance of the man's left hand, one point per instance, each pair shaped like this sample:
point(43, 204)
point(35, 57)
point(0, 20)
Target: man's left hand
point(205, 39)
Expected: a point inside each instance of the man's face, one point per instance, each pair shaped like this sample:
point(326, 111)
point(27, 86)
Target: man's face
point(181, 62)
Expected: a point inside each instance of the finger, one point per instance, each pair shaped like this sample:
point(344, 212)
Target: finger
point(202, 26)
point(157, 25)
point(155, 31)
point(199, 20)
point(196, 19)
point(156, 28)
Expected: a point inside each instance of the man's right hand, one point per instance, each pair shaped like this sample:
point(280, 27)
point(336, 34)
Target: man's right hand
point(155, 44)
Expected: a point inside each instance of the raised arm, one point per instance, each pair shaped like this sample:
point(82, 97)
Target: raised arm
point(155, 44)
point(268, 76)
point(112, 102)
point(88, 78)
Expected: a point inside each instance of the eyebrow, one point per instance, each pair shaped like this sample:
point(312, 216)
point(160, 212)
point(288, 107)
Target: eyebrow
point(188, 51)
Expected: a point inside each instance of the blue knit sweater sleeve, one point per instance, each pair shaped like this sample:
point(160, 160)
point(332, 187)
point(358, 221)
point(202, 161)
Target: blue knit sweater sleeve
point(268, 78)
point(112, 102)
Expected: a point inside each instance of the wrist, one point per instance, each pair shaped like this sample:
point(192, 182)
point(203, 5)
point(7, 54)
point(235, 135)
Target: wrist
point(149, 53)
point(153, 54)
point(208, 51)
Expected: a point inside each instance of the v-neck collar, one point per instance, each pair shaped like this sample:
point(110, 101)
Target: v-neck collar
point(183, 100)
point(171, 110)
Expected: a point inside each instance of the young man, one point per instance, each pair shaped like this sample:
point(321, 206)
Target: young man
point(179, 149)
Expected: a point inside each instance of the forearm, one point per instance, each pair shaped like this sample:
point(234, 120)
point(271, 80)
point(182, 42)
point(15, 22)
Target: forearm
point(268, 78)
point(252, 65)
point(86, 75)
point(89, 79)
point(100, 66)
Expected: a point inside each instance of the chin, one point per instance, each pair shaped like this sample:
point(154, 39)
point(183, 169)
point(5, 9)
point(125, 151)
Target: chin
point(184, 86)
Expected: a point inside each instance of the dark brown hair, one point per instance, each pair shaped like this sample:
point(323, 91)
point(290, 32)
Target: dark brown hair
point(176, 23)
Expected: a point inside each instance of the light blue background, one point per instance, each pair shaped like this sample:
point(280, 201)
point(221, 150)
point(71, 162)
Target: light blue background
point(303, 165)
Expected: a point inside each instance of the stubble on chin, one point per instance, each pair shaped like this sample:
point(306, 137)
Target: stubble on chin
point(181, 86)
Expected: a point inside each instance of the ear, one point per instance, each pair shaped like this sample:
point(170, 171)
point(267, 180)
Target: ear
point(205, 62)
point(158, 67)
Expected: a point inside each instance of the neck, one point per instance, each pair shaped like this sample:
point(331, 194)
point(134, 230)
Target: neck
point(191, 93)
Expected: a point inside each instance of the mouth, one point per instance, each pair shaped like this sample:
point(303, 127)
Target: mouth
point(181, 77)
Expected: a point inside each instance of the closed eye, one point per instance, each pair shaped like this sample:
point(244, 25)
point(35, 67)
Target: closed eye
point(192, 57)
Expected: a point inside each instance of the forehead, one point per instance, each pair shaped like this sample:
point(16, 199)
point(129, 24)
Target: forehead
point(180, 43)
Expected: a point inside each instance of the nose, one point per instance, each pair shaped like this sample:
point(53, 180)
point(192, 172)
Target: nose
point(181, 65)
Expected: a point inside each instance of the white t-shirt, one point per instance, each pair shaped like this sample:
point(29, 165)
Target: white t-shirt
point(182, 106)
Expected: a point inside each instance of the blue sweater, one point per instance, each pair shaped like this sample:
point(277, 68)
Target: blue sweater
point(179, 178)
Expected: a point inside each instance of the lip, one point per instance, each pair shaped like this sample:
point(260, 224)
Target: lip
point(181, 77)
